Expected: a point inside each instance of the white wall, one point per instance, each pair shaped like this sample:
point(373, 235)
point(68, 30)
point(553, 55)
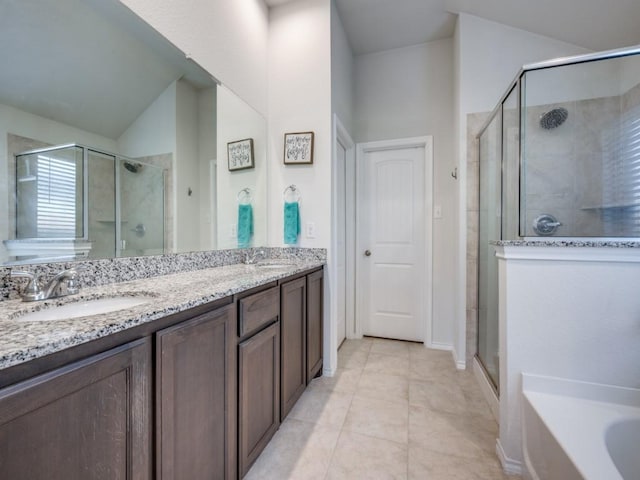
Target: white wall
point(227, 38)
point(240, 122)
point(187, 170)
point(342, 75)
point(154, 131)
point(207, 154)
point(557, 320)
point(408, 92)
point(299, 101)
point(489, 55)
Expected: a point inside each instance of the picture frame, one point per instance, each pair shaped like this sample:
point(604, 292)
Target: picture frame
point(240, 155)
point(298, 148)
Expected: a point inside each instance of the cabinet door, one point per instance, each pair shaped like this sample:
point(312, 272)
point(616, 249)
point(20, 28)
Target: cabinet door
point(314, 324)
point(259, 391)
point(88, 420)
point(293, 343)
point(195, 416)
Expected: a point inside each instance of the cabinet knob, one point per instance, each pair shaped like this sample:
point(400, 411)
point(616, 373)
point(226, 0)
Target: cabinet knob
point(367, 253)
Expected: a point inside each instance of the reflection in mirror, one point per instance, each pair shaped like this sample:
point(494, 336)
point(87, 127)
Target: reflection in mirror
point(245, 190)
point(108, 139)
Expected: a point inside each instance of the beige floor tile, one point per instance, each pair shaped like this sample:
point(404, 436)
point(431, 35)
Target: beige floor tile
point(358, 457)
point(393, 410)
point(383, 387)
point(352, 358)
point(344, 380)
point(387, 364)
point(379, 418)
point(323, 407)
point(429, 465)
point(359, 344)
point(441, 369)
point(441, 396)
point(390, 347)
point(457, 435)
point(299, 450)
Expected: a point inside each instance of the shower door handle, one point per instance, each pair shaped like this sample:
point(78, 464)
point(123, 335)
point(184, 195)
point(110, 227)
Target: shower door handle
point(546, 224)
point(367, 253)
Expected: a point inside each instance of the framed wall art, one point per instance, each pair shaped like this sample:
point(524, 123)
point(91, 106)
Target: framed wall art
point(240, 154)
point(298, 148)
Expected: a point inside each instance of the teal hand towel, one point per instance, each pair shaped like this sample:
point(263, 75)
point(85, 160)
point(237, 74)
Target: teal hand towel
point(291, 222)
point(245, 225)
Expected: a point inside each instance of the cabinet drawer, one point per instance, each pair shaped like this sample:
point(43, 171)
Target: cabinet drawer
point(257, 310)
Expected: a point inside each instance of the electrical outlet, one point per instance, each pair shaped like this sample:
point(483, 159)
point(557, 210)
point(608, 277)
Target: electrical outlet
point(437, 211)
point(233, 231)
point(311, 230)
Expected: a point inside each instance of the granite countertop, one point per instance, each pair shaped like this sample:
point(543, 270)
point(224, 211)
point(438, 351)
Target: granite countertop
point(567, 243)
point(22, 340)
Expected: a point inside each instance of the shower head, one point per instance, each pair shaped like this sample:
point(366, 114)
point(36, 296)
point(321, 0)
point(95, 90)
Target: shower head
point(553, 118)
point(132, 167)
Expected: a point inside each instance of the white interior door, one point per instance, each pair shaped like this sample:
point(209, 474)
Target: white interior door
point(393, 214)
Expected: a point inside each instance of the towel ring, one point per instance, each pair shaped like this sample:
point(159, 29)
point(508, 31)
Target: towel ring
point(244, 196)
point(292, 189)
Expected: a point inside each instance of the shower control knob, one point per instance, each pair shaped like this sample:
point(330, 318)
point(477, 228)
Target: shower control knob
point(367, 253)
point(545, 225)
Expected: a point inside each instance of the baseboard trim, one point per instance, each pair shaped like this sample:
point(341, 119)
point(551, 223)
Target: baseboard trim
point(461, 364)
point(328, 372)
point(510, 466)
point(487, 389)
point(440, 346)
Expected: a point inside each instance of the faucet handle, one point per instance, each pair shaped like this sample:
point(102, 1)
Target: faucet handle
point(33, 291)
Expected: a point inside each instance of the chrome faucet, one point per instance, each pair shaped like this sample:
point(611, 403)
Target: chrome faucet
point(250, 258)
point(62, 284)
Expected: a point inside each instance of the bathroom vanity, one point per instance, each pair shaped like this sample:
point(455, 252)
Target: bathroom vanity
point(192, 384)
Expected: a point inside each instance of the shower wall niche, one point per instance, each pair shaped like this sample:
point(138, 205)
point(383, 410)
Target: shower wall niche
point(74, 201)
point(559, 157)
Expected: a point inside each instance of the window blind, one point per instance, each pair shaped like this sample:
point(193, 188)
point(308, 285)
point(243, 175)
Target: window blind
point(621, 176)
point(56, 197)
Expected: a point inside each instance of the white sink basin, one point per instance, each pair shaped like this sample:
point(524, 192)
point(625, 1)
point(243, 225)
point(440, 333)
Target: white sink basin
point(84, 309)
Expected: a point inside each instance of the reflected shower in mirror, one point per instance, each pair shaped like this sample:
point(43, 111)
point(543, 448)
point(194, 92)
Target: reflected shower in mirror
point(109, 139)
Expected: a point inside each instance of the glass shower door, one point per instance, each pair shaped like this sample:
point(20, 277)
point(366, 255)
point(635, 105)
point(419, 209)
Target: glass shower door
point(142, 200)
point(489, 230)
point(101, 207)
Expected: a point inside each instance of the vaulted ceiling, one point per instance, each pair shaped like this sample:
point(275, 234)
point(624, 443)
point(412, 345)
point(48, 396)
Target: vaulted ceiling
point(375, 25)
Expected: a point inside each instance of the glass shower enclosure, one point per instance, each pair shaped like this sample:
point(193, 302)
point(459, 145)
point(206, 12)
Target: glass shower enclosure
point(559, 158)
point(74, 201)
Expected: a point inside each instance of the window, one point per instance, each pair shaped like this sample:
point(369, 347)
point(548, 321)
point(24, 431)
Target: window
point(56, 197)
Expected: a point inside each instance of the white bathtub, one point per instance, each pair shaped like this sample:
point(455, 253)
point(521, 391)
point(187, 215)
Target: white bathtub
point(578, 430)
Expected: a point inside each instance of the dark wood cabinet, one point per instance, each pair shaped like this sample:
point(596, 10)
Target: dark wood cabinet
point(196, 398)
point(194, 395)
point(259, 394)
point(89, 420)
point(315, 300)
point(293, 342)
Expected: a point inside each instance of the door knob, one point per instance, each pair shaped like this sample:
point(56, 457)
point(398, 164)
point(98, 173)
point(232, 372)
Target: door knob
point(367, 253)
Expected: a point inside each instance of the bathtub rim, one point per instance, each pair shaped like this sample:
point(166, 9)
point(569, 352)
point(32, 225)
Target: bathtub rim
point(606, 404)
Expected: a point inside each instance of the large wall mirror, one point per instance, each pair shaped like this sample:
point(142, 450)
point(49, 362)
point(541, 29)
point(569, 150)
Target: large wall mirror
point(113, 143)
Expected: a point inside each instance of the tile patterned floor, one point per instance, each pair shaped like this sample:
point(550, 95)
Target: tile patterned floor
point(394, 410)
